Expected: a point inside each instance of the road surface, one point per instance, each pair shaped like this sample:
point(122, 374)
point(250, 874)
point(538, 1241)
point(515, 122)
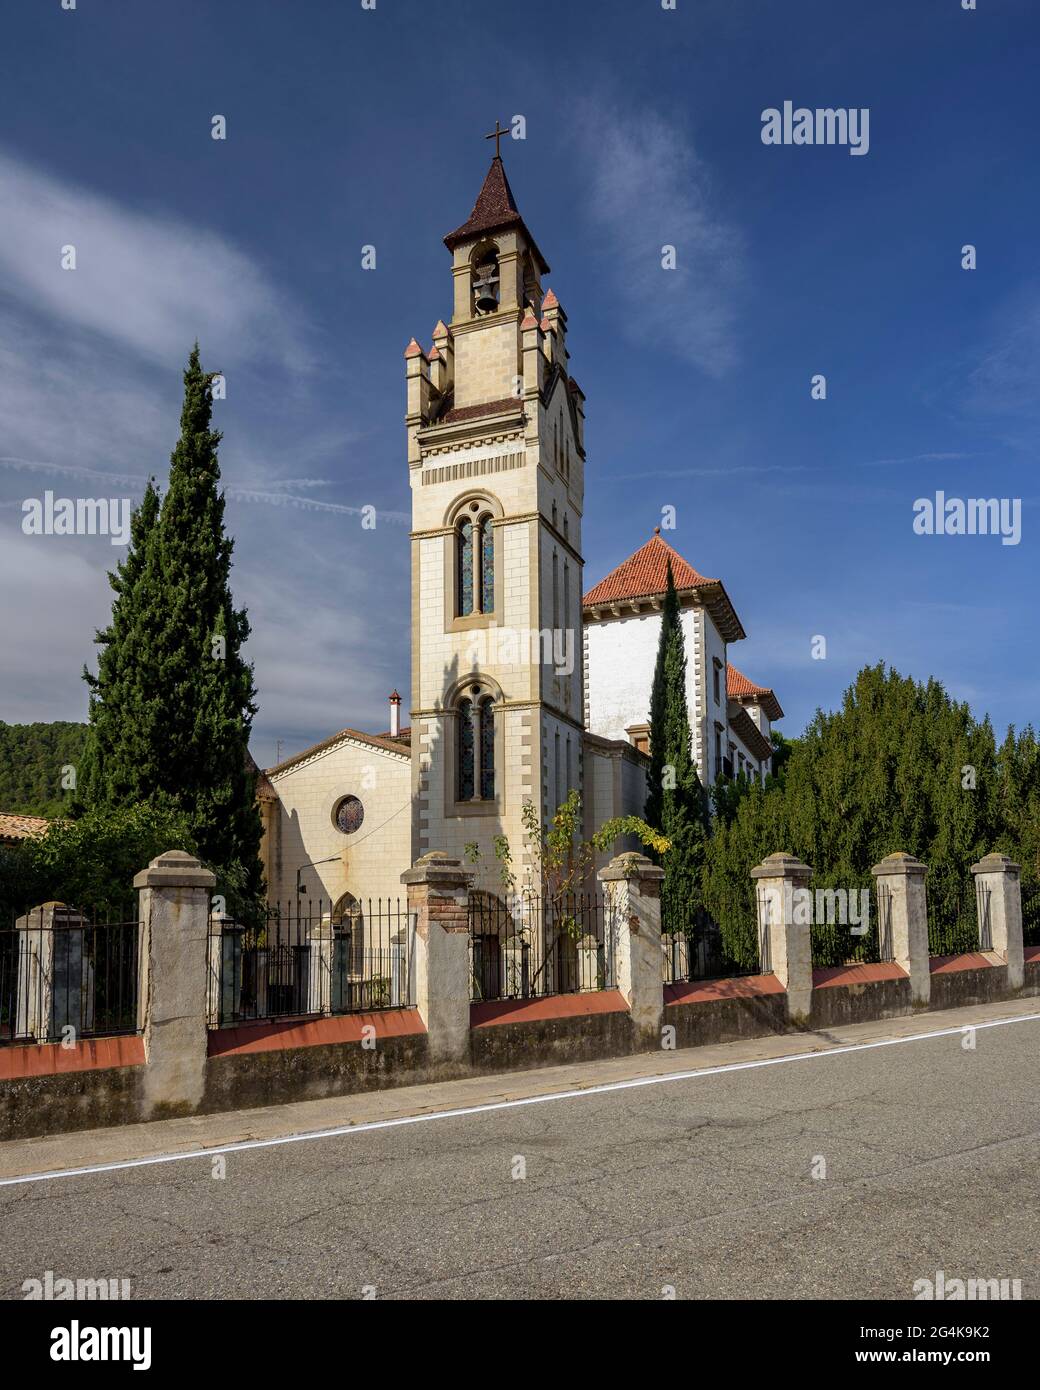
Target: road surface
point(878, 1160)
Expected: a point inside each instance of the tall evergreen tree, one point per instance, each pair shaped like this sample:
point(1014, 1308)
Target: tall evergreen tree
point(115, 764)
point(675, 800)
point(172, 704)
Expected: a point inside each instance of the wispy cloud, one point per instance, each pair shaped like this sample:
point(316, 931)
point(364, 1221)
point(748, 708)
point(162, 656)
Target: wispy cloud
point(146, 280)
point(309, 504)
point(716, 472)
point(651, 189)
point(1004, 379)
point(911, 458)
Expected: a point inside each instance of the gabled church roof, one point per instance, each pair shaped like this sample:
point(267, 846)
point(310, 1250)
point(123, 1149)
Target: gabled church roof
point(494, 211)
point(385, 742)
point(644, 576)
point(738, 687)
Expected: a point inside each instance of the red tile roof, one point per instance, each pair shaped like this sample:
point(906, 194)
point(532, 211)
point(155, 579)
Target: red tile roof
point(738, 687)
point(21, 827)
point(475, 412)
point(494, 211)
point(645, 574)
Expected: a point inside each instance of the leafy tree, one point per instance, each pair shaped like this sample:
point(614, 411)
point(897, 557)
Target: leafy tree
point(89, 863)
point(900, 766)
point(675, 801)
point(172, 704)
point(32, 757)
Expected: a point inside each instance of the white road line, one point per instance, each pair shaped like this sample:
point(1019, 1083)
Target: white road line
point(242, 1145)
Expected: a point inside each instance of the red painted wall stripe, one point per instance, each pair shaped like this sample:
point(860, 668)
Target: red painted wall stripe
point(863, 974)
point(946, 965)
point(499, 1011)
point(737, 987)
point(313, 1032)
point(51, 1059)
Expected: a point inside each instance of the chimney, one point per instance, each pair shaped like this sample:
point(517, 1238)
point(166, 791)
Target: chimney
point(395, 714)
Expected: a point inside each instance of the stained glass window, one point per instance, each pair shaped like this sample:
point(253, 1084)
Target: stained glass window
point(466, 751)
point(487, 749)
point(349, 815)
point(465, 544)
point(487, 566)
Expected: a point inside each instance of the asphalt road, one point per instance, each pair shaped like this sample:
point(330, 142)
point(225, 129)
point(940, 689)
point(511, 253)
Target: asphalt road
point(702, 1185)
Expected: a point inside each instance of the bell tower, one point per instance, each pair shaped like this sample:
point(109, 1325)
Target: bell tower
point(496, 456)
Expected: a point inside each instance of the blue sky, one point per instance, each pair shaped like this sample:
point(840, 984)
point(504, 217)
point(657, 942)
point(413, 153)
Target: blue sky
point(348, 127)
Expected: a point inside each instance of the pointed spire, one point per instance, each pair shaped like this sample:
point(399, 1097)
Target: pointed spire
point(494, 211)
point(413, 349)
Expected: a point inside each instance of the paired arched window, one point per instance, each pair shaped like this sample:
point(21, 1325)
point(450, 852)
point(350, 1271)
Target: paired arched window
point(475, 746)
point(475, 562)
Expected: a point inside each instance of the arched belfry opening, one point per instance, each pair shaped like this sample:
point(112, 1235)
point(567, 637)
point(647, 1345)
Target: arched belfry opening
point(485, 279)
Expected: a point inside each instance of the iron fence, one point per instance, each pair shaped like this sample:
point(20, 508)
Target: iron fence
point(1031, 912)
point(849, 928)
point(693, 946)
point(311, 957)
point(953, 914)
point(526, 947)
point(65, 977)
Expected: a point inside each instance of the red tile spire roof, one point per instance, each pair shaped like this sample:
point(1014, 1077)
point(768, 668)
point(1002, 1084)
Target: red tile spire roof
point(494, 211)
point(645, 574)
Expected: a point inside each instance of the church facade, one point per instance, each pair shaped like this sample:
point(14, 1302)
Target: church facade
point(523, 686)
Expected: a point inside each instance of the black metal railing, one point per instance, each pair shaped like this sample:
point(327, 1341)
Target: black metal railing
point(526, 947)
point(65, 977)
point(849, 928)
point(953, 914)
point(693, 946)
point(1031, 912)
point(311, 957)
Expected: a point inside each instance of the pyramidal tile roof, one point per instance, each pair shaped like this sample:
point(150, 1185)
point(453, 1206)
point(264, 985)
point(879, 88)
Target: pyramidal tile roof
point(494, 211)
point(645, 574)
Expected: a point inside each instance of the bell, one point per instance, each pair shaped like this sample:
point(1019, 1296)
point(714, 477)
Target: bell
point(485, 294)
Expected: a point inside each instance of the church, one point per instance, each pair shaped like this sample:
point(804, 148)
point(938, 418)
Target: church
point(524, 685)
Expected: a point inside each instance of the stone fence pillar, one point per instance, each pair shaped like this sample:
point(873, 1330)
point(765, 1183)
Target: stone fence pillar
point(903, 919)
point(52, 973)
point(784, 933)
point(438, 894)
point(632, 888)
point(174, 894)
point(998, 891)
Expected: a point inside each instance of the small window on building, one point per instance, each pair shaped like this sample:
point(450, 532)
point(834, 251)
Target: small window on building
point(717, 678)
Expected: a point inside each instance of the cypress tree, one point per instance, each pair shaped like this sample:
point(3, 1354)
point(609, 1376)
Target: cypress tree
point(675, 801)
point(173, 701)
point(113, 770)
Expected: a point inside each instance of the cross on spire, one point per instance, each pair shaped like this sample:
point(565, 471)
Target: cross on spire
point(496, 135)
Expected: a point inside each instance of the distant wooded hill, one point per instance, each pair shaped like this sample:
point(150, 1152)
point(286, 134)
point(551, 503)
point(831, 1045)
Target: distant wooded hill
point(31, 759)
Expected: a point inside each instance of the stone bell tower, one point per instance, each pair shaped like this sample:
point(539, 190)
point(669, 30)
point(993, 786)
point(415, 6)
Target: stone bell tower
point(496, 460)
